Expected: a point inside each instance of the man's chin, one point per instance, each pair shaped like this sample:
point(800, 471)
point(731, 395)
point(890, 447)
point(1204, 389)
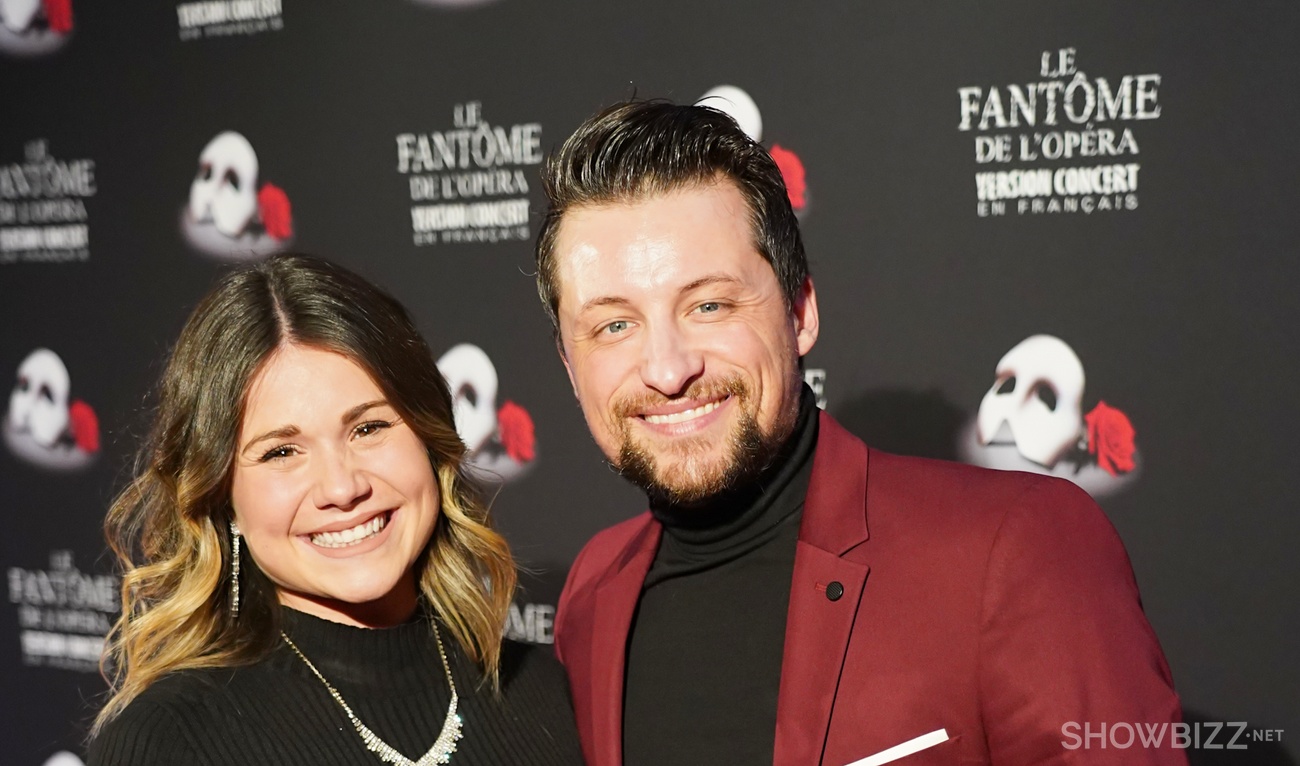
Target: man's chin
point(686, 484)
point(707, 470)
point(689, 469)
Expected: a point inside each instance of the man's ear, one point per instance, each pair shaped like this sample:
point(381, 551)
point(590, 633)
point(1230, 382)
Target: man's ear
point(564, 359)
point(804, 316)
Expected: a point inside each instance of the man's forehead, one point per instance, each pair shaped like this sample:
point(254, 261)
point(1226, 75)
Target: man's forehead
point(646, 259)
point(666, 239)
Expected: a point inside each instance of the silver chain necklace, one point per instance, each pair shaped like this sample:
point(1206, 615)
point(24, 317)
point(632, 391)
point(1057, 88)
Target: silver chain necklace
point(443, 746)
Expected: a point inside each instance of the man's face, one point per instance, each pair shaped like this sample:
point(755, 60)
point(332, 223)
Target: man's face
point(678, 340)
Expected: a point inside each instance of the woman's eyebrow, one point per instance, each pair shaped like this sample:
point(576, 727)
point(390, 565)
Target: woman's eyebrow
point(283, 432)
point(360, 409)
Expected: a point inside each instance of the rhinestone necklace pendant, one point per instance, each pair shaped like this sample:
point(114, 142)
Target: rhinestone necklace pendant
point(439, 753)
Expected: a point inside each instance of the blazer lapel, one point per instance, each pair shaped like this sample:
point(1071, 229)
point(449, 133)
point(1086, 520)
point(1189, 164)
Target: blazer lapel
point(818, 627)
point(616, 601)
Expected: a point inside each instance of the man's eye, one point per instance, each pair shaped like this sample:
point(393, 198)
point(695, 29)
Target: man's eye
point(709, 308)
point(614, 328)
point(276, 453)
point(371, 427)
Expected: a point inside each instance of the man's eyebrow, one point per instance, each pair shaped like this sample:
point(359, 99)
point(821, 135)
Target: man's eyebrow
point(704, 281)
point(710, 279)
point(604, 300)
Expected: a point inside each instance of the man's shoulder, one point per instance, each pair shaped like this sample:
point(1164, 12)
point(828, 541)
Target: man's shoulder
point(938, 481)
point(597, 563)
point(959, 502)
point(608, 545)
point(953, 478)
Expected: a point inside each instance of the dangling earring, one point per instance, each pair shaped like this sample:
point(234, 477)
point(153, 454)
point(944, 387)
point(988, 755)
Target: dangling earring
point(234, 569)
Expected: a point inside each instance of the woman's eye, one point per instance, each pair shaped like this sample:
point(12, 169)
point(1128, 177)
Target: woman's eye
point(709, 308)
point(614, 328)
point(371, 427)
point(276, 453)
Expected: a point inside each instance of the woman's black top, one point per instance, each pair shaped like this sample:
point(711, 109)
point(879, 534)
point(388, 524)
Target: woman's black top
point(277, 712)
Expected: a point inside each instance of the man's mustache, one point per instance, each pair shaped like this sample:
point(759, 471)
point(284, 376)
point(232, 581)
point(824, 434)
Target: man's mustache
point(704, 389)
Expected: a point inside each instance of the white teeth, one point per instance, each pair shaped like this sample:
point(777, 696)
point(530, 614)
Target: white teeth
point(351, 536)
point(679, 417)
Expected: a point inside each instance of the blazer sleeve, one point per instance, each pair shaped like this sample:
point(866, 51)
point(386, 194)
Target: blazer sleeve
point(1064, 642)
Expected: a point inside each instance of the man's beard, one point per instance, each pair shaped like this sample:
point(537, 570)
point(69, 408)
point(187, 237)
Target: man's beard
point(695, 475)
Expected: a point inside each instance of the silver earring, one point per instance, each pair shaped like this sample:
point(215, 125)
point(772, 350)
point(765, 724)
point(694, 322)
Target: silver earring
point(234, 569)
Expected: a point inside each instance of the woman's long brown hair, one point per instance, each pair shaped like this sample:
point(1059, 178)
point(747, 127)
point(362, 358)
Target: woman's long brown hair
point(169, 527)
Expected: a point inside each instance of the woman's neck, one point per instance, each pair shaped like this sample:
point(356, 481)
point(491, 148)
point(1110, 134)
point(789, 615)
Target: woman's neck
point(395, 608)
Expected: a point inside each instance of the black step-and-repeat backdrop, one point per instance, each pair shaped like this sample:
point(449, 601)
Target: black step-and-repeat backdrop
point(1047, 237)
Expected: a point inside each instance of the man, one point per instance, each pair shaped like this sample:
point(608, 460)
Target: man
point(791, 596)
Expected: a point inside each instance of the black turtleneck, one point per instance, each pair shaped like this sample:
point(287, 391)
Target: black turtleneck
point(277, 712)
point(704, 654)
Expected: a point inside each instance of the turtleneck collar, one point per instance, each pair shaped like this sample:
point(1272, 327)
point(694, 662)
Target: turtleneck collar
point(739, 519)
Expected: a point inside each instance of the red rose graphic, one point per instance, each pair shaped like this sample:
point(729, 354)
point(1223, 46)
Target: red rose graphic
point(59, 15)
point(1110, 438)
point(277, 216)
point(793, 173)
point(515, 426)
point(85, 426)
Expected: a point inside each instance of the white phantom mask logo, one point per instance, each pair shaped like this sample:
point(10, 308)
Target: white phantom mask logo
point(224, 191)
point(473, 382)
point(39, 402)
point(19, 14)
point(736, 103)
point(1038, 395)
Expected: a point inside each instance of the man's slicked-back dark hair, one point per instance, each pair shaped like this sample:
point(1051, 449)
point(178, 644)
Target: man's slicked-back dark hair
point(638, 149)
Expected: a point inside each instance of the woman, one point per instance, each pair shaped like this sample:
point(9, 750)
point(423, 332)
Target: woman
point(309, 577)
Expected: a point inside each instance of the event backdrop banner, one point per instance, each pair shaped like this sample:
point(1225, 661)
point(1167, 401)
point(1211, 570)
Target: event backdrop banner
point(1047, 237)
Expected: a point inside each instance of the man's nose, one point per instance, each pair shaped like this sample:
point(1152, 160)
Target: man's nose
point(670, 362)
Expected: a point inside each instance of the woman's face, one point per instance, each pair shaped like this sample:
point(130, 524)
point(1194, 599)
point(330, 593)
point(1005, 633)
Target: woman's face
point(332, 491)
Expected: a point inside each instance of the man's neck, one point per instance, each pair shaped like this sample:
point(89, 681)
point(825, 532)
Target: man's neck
point(756, 503)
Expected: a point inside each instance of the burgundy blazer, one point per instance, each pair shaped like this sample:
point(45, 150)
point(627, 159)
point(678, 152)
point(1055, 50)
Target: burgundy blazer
point(997, 606)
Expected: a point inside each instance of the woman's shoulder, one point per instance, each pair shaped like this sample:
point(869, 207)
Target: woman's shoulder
point(155, 727)
point(535, 701)
point(531, 667)
point(528, 657)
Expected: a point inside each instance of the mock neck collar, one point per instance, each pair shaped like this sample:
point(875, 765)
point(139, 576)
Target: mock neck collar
point(398, 658)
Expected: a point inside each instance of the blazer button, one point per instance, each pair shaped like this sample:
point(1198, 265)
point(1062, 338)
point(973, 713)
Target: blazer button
point(834, 590)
